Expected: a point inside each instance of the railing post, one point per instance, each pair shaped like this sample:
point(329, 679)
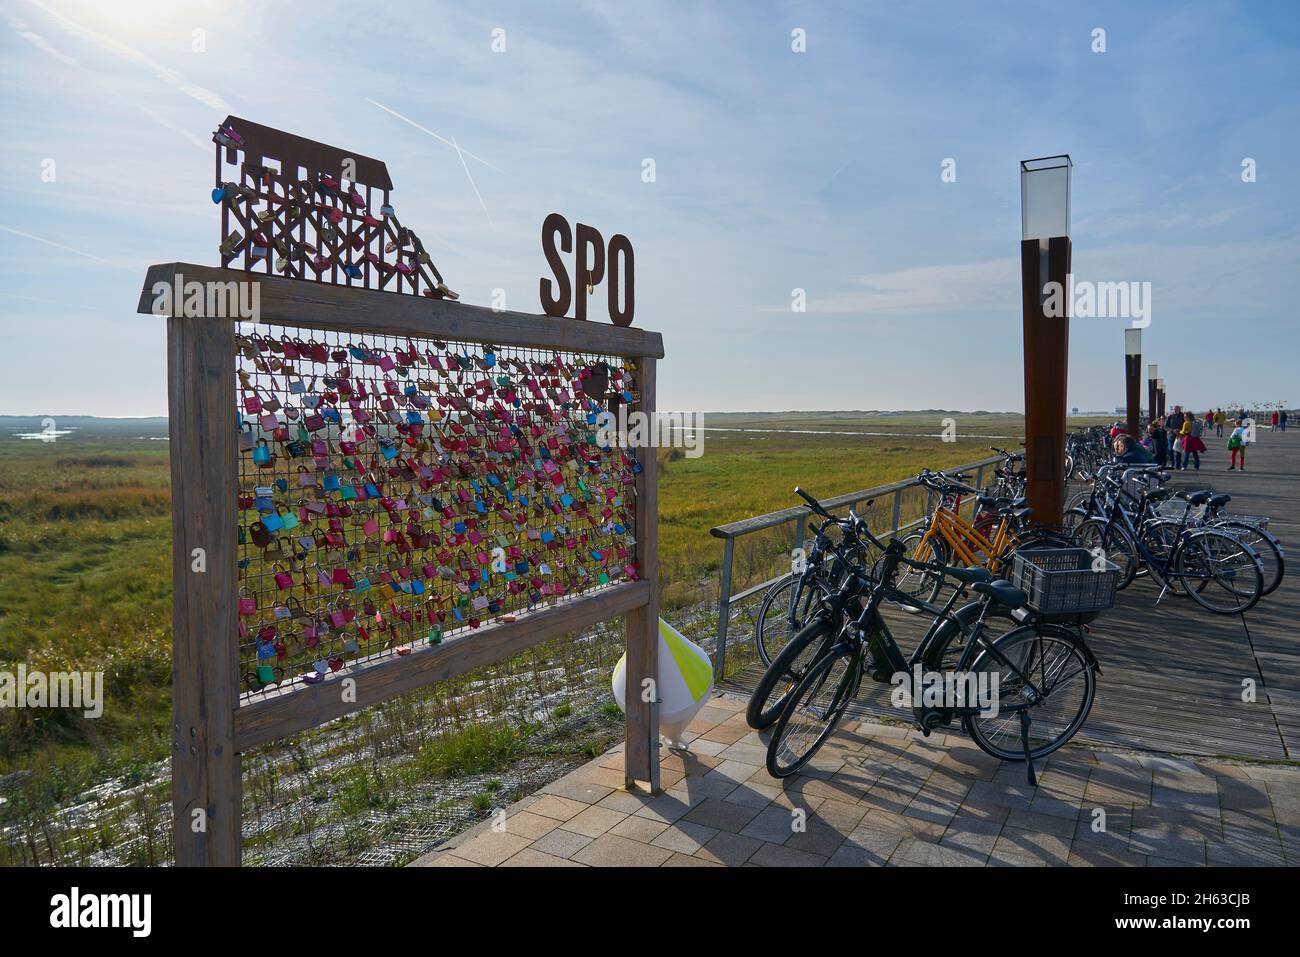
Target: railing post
point(724, 610)
point(800, 530)
point(898, 506)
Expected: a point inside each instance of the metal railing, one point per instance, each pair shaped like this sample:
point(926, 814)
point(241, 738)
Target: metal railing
point(798, 517)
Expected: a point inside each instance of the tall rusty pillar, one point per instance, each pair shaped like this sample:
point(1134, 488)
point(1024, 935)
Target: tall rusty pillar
point(1160, 396)
point(1133, 380)
point(1047, 353)
point(1152, 413)
point(1046, 291)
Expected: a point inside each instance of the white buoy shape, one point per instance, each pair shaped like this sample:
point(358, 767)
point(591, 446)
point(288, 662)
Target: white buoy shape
point(685, 682)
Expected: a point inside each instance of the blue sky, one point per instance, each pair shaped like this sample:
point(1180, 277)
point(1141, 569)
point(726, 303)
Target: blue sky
point(774, 170)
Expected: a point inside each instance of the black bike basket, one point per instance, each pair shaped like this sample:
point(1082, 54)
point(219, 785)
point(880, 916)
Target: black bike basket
point(1062, 581)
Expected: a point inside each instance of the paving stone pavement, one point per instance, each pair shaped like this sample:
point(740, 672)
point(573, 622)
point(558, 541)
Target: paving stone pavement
point(882, 795)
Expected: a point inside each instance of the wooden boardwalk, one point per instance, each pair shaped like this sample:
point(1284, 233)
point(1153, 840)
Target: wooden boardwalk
point(882, 794)
point(1172, 675)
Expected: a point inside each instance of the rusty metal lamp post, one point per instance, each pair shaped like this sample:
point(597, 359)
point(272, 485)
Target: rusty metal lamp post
point(1152, 373)
point(1044, 260)
point(1160, 396)
point(1132, 379)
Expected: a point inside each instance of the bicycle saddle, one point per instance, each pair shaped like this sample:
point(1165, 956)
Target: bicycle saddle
point(1017, 513)
point(1218, 501)
point(1002, 592)
point(1197, 498)
point(1159, 495)
point(968, 576)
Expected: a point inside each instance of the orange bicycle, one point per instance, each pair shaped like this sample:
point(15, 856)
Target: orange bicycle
point(947, 539)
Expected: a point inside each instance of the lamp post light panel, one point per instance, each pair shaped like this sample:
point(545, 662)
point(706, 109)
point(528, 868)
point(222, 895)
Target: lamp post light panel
point(1133, 342)
point(1153, 371)
point(1045, 197)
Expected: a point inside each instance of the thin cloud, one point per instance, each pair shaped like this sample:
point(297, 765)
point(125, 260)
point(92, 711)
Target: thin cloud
point(461, 153)
point(172, 78)
point(440, 139)
point(50, 242)
point(20, 27)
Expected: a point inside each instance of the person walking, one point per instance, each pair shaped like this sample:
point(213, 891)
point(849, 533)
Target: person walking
point(1220, 417)
point(1174, 423)
point(1275, 421)
point(1159, 442)
point(1237, 446)
point(1193, 444)
point(1283, 420)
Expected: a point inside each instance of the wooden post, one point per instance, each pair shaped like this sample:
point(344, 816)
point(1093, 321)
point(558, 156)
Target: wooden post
point(205, 667)
point(641, 732)
point(1151, 400)
point(1047, 351)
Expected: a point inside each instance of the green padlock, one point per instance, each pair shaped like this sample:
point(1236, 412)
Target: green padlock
point(266, 674)
point(435, 636)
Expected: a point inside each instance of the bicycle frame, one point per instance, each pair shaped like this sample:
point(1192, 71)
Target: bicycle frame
point(851, 642)
point(969, 546)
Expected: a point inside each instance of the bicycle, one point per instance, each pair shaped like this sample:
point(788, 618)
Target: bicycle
point(803, 648)
point(800, 592)
point(948, 539)
point(1206, 508)
point(1180, 558)
point(1034, 664)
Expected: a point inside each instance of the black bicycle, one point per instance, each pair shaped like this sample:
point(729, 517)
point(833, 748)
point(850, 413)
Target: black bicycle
point(814, 574)
point(837, 598)
point(1038, 680)
point(1220, 572)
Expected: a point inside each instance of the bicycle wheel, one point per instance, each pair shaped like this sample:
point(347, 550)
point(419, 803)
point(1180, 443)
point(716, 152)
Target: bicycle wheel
point(916, 583)
point(1095, 533)
point(1220, 572)
point(786, 671)
point(1052, 679)
point(1267, 547)
point(813, 710)
point(1160, 538)
point(1072, 518)
point(787, 607)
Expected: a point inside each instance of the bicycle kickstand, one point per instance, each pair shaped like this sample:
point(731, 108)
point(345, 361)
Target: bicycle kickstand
point(1024, 743)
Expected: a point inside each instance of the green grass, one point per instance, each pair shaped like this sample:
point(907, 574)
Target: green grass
point(473, 749)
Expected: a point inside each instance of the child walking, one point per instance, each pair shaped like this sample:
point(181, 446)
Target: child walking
point(1237, 446)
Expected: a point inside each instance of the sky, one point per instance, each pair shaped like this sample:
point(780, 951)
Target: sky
point(774, 170)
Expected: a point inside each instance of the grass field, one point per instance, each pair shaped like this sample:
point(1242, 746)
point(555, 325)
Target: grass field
point(85, 561)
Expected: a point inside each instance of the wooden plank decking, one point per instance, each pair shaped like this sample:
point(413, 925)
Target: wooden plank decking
point(1172, 675)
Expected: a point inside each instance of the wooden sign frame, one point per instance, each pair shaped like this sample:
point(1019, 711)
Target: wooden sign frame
point(212, 721)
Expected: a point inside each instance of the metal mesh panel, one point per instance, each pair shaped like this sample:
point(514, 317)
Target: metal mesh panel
point(399, 490)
